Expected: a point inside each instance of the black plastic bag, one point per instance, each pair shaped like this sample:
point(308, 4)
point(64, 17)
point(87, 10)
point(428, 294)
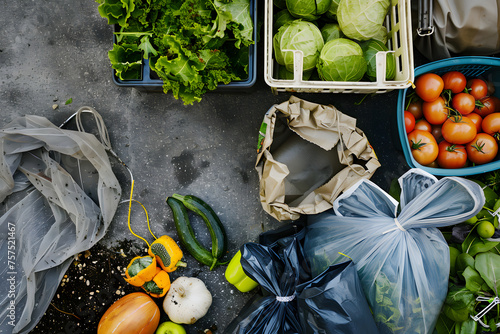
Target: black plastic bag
point(292, 301)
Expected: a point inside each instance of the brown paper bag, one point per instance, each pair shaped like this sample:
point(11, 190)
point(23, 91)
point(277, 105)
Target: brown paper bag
point(308, 154)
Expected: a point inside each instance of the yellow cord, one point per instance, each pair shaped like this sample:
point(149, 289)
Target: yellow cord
point(129, 214)
point(346, 256)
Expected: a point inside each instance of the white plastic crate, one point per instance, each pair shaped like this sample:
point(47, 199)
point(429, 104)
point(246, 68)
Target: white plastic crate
point(398, 24)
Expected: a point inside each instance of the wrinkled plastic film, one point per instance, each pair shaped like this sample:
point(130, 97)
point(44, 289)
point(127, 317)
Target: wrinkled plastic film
point(60, 194)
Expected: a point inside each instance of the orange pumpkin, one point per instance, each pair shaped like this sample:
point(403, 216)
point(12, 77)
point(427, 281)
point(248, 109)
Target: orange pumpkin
point(134, 313)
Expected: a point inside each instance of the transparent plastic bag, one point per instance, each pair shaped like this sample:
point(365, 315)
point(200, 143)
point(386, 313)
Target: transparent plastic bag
point(402, 258)
point(59, 195)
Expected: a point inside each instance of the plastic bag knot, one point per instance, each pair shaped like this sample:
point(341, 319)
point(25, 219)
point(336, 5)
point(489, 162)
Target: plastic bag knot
point(285, 299)
point(398, 225)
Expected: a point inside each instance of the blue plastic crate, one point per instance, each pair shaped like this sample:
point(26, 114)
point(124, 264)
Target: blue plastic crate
point(149, 82)
point(472, 67)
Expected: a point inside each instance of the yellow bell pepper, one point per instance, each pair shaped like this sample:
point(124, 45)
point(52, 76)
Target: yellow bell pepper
point(237, 277)
point(167, 253)
point(159, 285)
point(140, 270)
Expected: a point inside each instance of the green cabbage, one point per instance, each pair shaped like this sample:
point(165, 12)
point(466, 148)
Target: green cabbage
point(285, 74)
point(381, 35)
point(370, 49)
point(281, 4)
point(282, 17)
point(362, 19)
point(341, 60)
point(331, 31)
point(308, 9)
point(333, 8)
point(298, 35)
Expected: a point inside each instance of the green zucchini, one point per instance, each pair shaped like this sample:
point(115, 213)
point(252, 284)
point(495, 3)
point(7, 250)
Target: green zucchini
point(187, 236)
point(215, 227)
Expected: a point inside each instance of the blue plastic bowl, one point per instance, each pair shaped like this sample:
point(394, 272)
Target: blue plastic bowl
point(149, 83)
point(472, 67)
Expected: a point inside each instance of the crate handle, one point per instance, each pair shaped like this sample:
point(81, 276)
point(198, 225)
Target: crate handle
point(298, 65)
point(381, 62)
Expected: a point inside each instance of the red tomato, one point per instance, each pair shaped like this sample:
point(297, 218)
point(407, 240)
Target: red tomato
point(477, 120)
point(429, 86)
point(423, 146)
point(409, 121)
point(482, 149)
point(437, 133)
point(423, 125)
point(451, 155)
point(487, 105)
point(459, 130)
point(454, 81)
point(464, 103)
point(491, 87)
point(491, 125)
point(433, 164)
point(478, 88)
point(435, 112)
point(415, 107)
point(496, 101)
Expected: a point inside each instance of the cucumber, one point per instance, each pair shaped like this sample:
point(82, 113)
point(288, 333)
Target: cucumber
point(215, 227)
point(187, 236)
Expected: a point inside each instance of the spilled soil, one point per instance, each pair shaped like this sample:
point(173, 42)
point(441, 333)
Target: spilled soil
point(91, 285)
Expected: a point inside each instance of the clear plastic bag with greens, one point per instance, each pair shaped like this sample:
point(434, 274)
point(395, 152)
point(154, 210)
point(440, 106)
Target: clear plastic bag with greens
point(402, 259)
point(59, 195)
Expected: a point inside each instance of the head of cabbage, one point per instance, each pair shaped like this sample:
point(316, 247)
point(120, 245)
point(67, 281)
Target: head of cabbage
point(308, 9)
point(370, 49)
point(332, 11)
point(298, 35)
point(362, 19)
point(280, 18)
point(341, 60)
point(331, 31)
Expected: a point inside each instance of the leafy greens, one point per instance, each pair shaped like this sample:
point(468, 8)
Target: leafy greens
point(192, 45)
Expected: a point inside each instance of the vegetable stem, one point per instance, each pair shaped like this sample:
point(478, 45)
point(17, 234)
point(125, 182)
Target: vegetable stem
point(182, 291)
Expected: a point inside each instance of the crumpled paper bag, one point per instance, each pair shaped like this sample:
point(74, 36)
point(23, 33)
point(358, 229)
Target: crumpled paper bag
point(308, 154)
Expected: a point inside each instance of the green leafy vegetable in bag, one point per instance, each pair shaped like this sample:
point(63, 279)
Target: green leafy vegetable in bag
point(474, 281)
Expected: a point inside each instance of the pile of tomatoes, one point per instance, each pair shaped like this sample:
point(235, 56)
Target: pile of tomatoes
point(452, 121)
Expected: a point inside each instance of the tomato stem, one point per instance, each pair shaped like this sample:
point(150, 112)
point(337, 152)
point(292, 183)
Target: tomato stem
point(411, 98)
point(447, 96)
point(417, 145)
point(479, 104)
point(453, 148)
point(478, 147)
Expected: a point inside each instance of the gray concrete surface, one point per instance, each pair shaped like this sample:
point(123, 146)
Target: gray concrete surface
point(55, 50)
